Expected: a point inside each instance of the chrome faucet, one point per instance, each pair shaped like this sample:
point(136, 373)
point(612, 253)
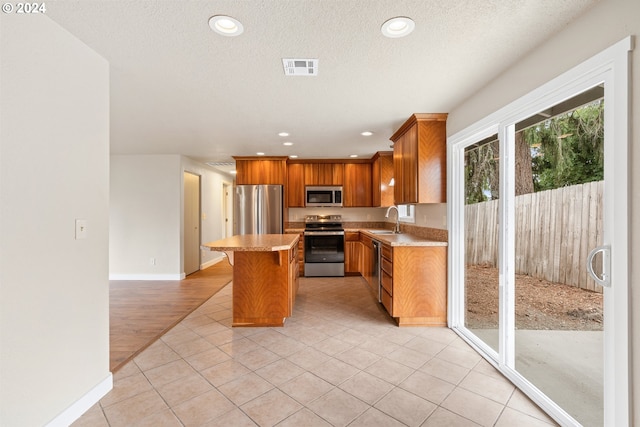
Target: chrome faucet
point(396, 229)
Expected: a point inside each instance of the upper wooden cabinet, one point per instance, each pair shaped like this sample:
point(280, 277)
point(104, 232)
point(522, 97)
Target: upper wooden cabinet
point(323, 173)
point(420, 160)
point(261, 170)
point(357, 185)
point(354, 177)
point(381, 175)
point(295, 185)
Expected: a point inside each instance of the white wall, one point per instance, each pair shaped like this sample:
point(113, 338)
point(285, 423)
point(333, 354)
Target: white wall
point(433, 215)
point(145, 214)
point(54, 166)
point(605, 24)
point(211, 206)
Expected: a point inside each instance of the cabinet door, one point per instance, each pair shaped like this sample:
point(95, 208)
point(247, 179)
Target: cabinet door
point(420, 284)
point(376, 183)
point(398, 171)
point(381, 176)
point(295, 185)
point(311, 174)
point(323, 173)
point(405, 163)
point(352, 257)
point(357, 186)
point(260, 172)
point(432, 162)
point(337, 174)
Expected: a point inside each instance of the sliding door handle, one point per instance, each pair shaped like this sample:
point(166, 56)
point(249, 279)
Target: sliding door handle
point(605, 279)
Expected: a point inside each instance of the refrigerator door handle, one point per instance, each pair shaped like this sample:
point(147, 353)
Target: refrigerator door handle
point(258, 213)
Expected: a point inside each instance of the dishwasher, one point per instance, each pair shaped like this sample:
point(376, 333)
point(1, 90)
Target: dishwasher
point(376, 268)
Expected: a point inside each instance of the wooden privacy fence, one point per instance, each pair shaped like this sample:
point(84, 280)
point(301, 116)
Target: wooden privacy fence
point(555, 230)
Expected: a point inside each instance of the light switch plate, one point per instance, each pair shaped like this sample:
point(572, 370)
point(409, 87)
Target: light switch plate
point(81, 229)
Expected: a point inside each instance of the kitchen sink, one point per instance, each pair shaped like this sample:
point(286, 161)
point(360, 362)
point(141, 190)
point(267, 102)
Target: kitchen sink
point(381, 232)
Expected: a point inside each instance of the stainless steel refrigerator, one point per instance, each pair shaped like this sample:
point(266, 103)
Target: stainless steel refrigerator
point(258, 209)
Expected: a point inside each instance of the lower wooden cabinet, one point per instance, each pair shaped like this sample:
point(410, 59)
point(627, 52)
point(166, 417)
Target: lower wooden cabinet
point(366, 261)
point(352, 253)
point(264, 286)
point(414, 282)
point(301, 255)
point(294, 275)
point(386, 277)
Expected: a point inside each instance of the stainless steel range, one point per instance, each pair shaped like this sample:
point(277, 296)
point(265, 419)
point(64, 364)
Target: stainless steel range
point(323, 246)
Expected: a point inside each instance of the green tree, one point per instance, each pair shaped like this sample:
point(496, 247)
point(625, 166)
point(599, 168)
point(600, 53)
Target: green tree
point(481, 172)
point(568, 149)
point(564, 150)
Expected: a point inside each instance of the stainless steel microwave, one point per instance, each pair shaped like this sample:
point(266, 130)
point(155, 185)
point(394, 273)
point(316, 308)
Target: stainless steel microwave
point(323, 196)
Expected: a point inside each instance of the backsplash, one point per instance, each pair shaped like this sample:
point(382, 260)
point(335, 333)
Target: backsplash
point(430, 219)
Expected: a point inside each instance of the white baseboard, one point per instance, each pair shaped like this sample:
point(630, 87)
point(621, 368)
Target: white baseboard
point(164, 276)
point(82, 405)
point(212, 262)
point(147, 276)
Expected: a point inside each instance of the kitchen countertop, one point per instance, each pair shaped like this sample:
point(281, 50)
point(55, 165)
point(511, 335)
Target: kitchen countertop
point(253, 243)
point(402, 239)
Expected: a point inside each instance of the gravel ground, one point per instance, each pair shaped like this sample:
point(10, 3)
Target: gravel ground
point(539, 304)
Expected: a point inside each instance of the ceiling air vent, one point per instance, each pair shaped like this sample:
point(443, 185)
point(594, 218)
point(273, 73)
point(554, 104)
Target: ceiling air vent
point(217, 164)
point(300, 67)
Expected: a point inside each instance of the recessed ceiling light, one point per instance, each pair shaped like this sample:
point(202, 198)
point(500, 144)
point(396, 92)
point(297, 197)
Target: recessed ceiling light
point(283, 134)
point(226, 25)
point(260, 153)
point(233, 172)
point(287, 143)
point(366, 133)
point(399, 26)
point(353, 155)
point(293, 156)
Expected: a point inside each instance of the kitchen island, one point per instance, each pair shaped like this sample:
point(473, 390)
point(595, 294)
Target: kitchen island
point(265, 276)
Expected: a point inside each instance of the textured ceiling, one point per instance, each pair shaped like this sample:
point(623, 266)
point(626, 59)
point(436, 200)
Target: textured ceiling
point(179, 88)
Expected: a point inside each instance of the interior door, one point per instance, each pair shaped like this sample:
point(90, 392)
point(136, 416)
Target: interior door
point(227, 209)
point(191, 223)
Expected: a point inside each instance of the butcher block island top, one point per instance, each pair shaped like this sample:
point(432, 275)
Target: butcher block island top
point(265, 276)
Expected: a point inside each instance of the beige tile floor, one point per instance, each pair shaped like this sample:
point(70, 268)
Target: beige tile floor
point(338, 361)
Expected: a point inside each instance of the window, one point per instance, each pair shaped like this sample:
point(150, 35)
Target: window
point(407, 213)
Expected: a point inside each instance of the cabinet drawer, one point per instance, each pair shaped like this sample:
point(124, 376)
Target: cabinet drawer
point(387, 283)
point(387, 301)
point(352, 236)
point(387, 252)
point(387, 266)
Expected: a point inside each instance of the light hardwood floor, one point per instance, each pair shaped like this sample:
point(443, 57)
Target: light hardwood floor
point(140, 312)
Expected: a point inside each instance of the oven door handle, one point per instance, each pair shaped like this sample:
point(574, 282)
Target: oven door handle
point(324, 233)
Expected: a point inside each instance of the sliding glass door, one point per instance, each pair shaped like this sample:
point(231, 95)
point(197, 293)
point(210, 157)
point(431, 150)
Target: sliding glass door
point(538, 261)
